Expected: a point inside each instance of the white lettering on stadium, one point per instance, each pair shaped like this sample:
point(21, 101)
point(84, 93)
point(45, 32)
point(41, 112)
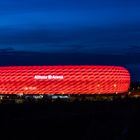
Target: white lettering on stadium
point(42, 77)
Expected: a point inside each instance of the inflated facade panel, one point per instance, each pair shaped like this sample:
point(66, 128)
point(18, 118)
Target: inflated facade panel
point(63, 79)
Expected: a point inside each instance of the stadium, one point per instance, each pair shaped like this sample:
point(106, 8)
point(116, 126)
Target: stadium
point(64, 80)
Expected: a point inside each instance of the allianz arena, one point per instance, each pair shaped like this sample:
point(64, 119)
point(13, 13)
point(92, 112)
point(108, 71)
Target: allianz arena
point(63, 80)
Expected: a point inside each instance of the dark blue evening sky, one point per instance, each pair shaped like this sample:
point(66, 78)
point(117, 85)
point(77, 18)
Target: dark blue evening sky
point(101, 26)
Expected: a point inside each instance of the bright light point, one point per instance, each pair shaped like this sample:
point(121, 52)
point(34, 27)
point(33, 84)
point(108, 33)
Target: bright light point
point(115, 85)
point(25, 88)
point(20, 94)
point(1, 97)
point(38, 96)
point(30, 88)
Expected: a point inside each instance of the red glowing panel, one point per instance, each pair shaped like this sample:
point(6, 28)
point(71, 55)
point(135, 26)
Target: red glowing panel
point(63, 80)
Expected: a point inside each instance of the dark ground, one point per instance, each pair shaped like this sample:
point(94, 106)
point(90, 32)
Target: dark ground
point(116, 120)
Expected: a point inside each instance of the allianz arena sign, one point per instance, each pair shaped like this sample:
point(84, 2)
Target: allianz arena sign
point(49, 77)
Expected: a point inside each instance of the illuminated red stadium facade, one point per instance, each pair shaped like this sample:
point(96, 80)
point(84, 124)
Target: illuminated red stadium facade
point(63, 80)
